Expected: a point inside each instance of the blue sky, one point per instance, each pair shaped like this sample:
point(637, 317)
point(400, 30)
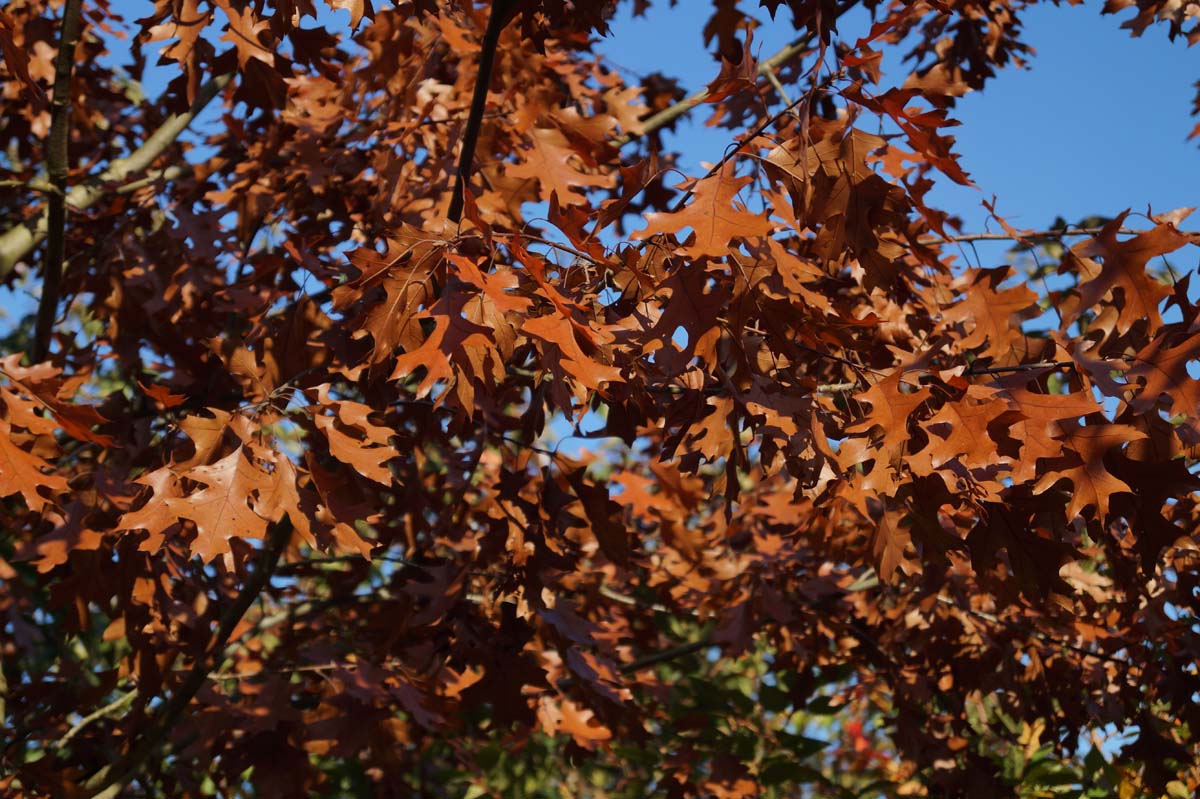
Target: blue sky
point(1098, 124)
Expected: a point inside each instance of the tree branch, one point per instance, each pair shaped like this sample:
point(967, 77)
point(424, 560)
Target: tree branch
point(3, 697)
point(497, 17)
point(666, 655)
point(110, 780)
point(58, 166)
point(671, 113)
point(112, 707)
point(1059, 233)
point(1033, 632)
point(1020, 367)
point(18, 241)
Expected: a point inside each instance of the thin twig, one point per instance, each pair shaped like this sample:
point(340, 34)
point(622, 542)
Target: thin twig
point(666, 655)
point(112, 707)
point(117, 775)
point(1045, 638)
point(685, 106)
point(58, 167)
point(732, 151)
point(1060, 233)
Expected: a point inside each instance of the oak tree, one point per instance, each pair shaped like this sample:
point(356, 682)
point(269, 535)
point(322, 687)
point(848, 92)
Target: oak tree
point(418, 428)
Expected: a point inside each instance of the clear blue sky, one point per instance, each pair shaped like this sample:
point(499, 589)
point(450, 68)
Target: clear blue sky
point(1098, 124)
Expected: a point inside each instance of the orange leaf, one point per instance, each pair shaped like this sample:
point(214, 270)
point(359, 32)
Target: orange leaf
point(995, 314)
point(558, 331)
point(1122, 268)
point(1084, 466)
point(21, 472)
point(566, 716)
point(222, 510)
point(367, 460)
point(551, 162)
point(714, 214)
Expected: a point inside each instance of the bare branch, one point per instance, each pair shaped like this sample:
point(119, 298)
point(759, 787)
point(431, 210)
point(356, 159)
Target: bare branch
point(17, 242)
point(497, 17)
point(91, 718)
point(117, 775)
point(58, 166)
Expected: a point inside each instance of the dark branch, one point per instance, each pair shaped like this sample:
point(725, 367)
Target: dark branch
point(57, 168)
point(110, 780)
point(497, 18)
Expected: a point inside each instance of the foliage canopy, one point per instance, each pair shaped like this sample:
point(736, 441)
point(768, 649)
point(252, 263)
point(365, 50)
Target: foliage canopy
point(286, 505)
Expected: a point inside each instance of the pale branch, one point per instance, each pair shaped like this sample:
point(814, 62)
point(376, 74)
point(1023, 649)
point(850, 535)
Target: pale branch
point(624, 599)
point(1058, 233)
point(165, 175)
point(773, 79)
point(497, 17)
point(18, 241)
point(91, 718)
point(685, 106)
point(37, 184)
point(111, 779)
point(1021, 367)
point(338, 560)
point(58, 167)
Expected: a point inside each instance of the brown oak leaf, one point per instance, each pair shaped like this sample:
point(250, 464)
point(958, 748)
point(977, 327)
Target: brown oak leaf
point(221, 511)
point(994, 314)
point(1084, 465)
point(714, 214)
point(22, 472)
point(551, 162)
point(1121, 267)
